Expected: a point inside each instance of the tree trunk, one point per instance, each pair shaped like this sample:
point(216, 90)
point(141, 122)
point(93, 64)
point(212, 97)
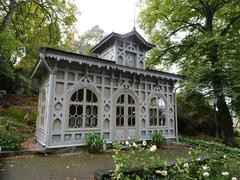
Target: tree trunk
point(8, 17)
point(11, 9)
point(224, 118)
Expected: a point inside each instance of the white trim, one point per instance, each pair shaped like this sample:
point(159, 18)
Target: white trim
point(39, 63)
point(50, 107)
point(92, 62)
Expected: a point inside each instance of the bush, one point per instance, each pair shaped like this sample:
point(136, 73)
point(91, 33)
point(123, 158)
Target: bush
point(2, 93)
point(15, 113)
point(10, 141)
point(236, 132)
point(211, 146)
point(144, 163)
point(158, 139)
point(94, 142)
point(5, 122)
point(195, 115)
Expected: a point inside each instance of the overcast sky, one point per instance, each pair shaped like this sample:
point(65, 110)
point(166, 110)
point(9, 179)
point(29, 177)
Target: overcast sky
point(110, 15)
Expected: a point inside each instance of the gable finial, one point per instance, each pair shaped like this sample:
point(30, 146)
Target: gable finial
point(134, 17)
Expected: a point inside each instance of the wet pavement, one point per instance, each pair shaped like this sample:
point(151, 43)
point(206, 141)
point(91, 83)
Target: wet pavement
point(54, 167)
point(67, 166)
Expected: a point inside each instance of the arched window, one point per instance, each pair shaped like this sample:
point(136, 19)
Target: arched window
point(157, 112)
point(83, 109)
point(125, 111)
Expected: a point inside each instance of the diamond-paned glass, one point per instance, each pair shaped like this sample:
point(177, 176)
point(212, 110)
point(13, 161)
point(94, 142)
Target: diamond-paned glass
point(157, 112)
point(83, 109)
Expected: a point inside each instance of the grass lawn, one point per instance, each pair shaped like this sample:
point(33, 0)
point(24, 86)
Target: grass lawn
point(80, 165)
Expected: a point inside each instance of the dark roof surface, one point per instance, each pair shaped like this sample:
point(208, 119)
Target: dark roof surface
point(113, 35)
point(103, 61)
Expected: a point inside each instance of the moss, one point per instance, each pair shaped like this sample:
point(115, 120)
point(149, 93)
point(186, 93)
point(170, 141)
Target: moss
point(15, 113)
point(33, 117)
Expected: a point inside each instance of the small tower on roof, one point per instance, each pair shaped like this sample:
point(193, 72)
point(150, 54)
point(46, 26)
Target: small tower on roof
point(125, 49)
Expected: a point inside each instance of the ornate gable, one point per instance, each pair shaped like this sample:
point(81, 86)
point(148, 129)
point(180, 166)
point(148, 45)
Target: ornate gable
point(127, 49)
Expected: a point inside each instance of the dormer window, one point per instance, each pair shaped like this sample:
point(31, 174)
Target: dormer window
point(130, 59)
point(124, 49)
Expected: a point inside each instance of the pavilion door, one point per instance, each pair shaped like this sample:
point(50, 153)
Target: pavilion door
point(125, 117)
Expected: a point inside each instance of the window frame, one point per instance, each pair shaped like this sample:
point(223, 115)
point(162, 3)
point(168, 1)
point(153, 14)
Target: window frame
point(157, 109)
point(84, 104)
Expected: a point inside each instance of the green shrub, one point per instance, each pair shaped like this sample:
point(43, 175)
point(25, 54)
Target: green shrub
point(15, 113)
point(33, 117)
point(10, 141)
point(5, 122)
point(211, 146)
point(158, 139)
point(94, 142)
point(236, 132)
point(144, 163)
point(2, 93)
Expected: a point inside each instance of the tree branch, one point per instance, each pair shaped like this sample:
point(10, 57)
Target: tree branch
point(197, 25)
point(204, 5)
point(226, 29)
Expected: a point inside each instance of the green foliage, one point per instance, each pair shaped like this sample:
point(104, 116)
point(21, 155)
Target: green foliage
point(195, 115)
point(90, 38)
point(94, 142)
point(134, 158)
point(211, 146)
point(212, 166)
point(24, 26)
point(237, 132)
point(158, 139)
point(15, 113)
point(33, 117)
point(202, 39)
point(10, 140)
point(136, 163)
point(4, 121)
point(2, 93)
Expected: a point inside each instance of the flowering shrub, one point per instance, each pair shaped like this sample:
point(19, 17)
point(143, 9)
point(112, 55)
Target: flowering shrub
point(134, 158)
point(211, 146)
point(138, 162)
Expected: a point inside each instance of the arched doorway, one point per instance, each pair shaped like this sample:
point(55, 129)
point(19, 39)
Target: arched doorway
point(125, 121)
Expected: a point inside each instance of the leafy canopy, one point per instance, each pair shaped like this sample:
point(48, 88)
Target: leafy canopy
point(183, 35)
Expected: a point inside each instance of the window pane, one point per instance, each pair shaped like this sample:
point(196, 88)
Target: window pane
point(79, 110)
point(79, 122)
point(83, 102)
point(71, 122)
point(131, 116)
point(130, 100)
point(80, 95)
point(74, 97)
point(72, 110)
point(121, 99)
point(120, 116)
point(88, 96)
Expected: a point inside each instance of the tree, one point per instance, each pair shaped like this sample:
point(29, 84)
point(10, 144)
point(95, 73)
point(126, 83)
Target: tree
point(30, 24)
point(195, 115)
point(89, 38)
point(202, 37)
point(38, 23)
